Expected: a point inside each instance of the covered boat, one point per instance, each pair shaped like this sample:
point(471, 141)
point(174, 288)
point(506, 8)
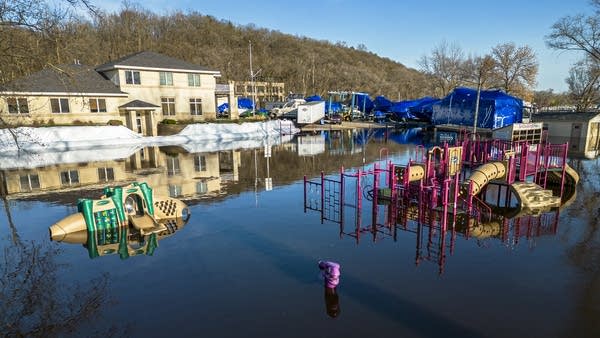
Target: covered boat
point(496, 109)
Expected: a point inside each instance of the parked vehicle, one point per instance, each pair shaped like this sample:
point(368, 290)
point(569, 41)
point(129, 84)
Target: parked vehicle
point(311, 112)
point(334, 118)
point(289, 109)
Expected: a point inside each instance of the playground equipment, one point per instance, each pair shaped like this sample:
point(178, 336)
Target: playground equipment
point(123, 220)
point(482, 189)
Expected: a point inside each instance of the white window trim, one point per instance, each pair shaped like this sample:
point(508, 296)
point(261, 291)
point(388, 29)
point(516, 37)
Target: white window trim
point(167, 76)
point(19, 109)
point(197, 102)
point(60, 105)
point(97, 99)
point(132, 72)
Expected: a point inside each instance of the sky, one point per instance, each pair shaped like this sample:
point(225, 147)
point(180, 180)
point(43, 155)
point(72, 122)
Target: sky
point(402, 30)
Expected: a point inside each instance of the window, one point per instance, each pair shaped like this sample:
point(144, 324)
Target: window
point(201, 188)
point(17, 105)
point(194, 80)
point(173, 166)
point(29, 182)
point(196, 106)
point(166, 78)
point(98, 105)
point(174, 190)
point(132, 77)
point(168, 105)
point(200, 163)
point(69, 177)
point(106, 174)
point(60, 105)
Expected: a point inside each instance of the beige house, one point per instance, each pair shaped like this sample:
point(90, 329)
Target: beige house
point(140, 90)
point(581, 130)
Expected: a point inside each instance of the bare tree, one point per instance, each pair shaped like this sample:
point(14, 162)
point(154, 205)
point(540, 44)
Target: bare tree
point(517, 67)
point(577, 33)
point(443, 66)
point(34, 303)
point(479, 70)
point(584, 83)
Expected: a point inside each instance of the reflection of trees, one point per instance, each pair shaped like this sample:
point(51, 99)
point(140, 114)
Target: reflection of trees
point(585, 254)
point(35, 302)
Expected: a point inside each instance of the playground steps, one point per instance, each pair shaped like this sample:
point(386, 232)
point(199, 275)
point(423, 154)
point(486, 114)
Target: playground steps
point(534, 197)
point(146, 224)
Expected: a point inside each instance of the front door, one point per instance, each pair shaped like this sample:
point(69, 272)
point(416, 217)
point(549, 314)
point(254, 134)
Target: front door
point(138, 123)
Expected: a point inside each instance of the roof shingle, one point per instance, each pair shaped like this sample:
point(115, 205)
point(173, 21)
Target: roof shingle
point(70, 78)
point(147, 59)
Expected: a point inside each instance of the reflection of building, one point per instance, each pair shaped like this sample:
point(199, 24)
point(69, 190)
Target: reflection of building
point(138, 90)
point(169, 171)
point(265, 91)
point(309, 145)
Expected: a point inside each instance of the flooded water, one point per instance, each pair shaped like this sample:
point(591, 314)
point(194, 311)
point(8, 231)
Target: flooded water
point(246, 263)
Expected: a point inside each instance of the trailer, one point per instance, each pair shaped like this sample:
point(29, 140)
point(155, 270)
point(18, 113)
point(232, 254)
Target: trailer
point(311, 112)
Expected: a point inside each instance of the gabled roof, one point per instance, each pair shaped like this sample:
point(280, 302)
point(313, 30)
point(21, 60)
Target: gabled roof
point(138, 104)
point(154, 61)
point(64, 79)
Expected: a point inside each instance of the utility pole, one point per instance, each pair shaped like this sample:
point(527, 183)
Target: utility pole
point(476, 110)
point(252, 81)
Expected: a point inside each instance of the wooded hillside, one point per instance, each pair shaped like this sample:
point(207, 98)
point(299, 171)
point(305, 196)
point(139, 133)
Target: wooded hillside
point(305, 65)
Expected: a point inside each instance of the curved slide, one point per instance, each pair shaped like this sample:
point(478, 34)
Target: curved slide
point(484, 174)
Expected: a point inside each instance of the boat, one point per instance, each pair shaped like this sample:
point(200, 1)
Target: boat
point(120, 217)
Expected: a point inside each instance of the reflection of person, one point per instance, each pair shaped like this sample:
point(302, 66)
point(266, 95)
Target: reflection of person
point(332, 302)
point(331, 275)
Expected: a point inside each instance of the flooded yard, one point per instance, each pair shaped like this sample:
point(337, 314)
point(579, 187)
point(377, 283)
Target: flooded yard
point(246, 262)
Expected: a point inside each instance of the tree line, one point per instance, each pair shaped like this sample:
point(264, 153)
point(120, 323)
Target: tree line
point(34, 35)
point(41, 36)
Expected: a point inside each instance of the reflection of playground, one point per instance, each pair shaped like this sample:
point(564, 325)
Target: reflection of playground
point(125, 220)
point(486, 190)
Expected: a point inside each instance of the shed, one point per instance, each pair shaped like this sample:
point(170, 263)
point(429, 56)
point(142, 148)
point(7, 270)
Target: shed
point(580, 129)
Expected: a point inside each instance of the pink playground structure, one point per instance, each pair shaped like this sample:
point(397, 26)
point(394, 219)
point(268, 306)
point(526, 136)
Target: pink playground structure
point(478, 188)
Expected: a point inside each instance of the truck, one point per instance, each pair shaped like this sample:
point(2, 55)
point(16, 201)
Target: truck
point(288, 110)
point(311, 112)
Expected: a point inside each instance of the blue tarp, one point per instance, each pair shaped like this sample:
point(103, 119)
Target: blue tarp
point(244, 103)
point(424, 109)
point(336, 107)
point(405, 136)
point(413, 109)
point(313, 98)
point(223, 107)
point(379, 115)
point(496, 109)
point(382, 104)
point(364, 103)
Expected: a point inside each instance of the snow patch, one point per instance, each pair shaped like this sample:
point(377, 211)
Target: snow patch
point(55, 145)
